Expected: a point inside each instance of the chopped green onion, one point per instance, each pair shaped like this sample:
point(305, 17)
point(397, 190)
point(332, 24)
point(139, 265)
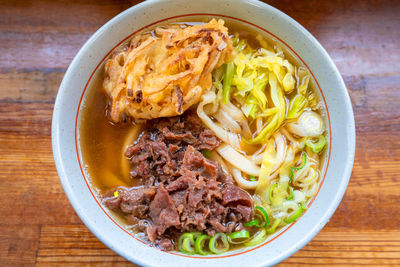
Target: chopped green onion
point(317, 146)
point(270, 190)
point(277, 193)
point(309, 124)
point(260, 212)
point(264, 215)
point(239, 237)
point(253, 178)
point(186, 243)
point(290, 197)
point(215, 245)
point(272, 229)
point(206, 153)
point(254, 222)
point(199, 244)
point(259, 237)
point(292, 169)
point(296, 215)
point(226, 87)
point(116, 194)
point(196, 234)
point(296, 106)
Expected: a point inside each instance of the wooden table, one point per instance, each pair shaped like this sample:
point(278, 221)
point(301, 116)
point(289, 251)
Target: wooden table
point(38, 39)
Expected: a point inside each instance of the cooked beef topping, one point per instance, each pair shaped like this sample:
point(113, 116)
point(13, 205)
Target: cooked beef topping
point(181, 190)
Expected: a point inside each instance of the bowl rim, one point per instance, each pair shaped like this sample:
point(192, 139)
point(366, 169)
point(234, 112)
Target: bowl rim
point(68, 189)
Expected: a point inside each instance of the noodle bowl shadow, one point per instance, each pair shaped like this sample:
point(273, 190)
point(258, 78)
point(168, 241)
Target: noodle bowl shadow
point(87, 65)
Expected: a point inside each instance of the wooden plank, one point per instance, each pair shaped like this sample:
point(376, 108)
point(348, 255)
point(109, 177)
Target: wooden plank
point(356, 34)
point(58, 37)
point(350, 248)
point(51, 29)
point(74, 244)
point(18, 244)
point(30, 85)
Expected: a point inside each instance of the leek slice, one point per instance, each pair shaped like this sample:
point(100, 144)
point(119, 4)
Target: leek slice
point(186, 243)
point(292, 169)
point(264, 215)
point(296, 106)
point(308, 124)
point(296, 214)
point(290, 197)
point(258, 238)
point(279, 102)
point(199, 244)
point(317, 146)
point(238, 237)
point(276, 223)
point(229, 71)
point(214, 245)
point(265, 171)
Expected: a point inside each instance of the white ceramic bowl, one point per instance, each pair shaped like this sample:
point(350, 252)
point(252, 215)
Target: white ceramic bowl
point(88, 63)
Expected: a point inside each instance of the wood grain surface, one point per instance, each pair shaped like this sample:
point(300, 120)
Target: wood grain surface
point(38, 40)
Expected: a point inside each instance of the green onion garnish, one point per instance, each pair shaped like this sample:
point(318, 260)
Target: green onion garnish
point(317, 146)
point(238, 237)
point(199, 244)
point(290, 197)
point(270, 190)
point(206, 153)
point(296, 215)
point(253, 178)
point(186, 243)
point(272, 229)
point(292, 169)
point(254, 222)
point(296, 106)
point(219, 243)
point(264, 215)
point(226, 87)
point(259, 237)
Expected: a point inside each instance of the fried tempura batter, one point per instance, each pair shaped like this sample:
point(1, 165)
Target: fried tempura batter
point(163, 74)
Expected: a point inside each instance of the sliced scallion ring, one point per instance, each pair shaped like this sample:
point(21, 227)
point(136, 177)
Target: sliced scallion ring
point(317, 146)
point(264, 215)
point(238, 237)
point(259, 237)
point(254, 222)
point(200, 244)
point(186, 243)
point(272, 229)
point(296, 215)
point(270, 191)
point(219, 243)
point(292, 169)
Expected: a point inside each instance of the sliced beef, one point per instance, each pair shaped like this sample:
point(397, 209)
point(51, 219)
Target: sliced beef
point(134, 201)
point(182, 190)
point(163, 212)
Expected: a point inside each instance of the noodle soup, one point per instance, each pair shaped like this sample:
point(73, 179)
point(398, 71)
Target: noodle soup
point(204, 136)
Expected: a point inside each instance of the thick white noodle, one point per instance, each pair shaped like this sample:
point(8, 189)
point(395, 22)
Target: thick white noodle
point(227, 137)
point(281, 148)
point(243, 183)
point(131, 136)
point(238, 160)
point(227, 121)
